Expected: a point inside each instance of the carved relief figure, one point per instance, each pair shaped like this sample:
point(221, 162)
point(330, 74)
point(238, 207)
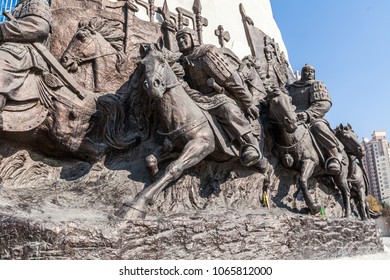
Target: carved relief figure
point(312, 102)
point(20, 63)
point(297, 150)
point(99, 41)
point(357, 175)
point(210, 74)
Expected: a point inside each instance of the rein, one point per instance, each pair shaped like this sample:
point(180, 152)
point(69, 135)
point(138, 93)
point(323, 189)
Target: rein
point(80, 60)
point(159, 76)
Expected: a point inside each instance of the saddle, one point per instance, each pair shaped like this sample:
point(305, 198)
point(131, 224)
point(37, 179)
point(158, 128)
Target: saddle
point(23, 116)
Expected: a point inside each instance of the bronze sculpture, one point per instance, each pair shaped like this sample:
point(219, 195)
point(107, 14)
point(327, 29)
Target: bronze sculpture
point(50, 106)
point(357, 176)
point(184, 123)
point(204, 62)
point(18, 59)
point(296, 149)
point(312, 102)
point(200, 205)
point(98, 41)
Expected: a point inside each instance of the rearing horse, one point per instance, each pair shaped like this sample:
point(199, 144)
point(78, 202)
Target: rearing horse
point(295, 148)
point(181, 119)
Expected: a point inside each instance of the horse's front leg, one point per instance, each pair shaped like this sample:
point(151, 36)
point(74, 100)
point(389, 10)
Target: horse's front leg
point(161, 154)
point(307, 170)
point(341, 181)
point(361, 201)
point(194, 151)
point(342, 184)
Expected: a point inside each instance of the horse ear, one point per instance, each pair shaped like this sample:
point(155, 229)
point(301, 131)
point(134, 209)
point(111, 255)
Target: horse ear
point(349, 126)
point(160, 44)
point(341, 127)
point(143, 50)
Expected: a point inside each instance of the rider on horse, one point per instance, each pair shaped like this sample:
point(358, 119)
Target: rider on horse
point(19, 61)
point(205, 63)
point(312, 102)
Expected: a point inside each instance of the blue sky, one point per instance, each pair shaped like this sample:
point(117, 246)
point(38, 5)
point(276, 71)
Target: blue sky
point(348, 42)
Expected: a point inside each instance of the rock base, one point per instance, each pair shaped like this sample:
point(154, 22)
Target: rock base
point(265, 234)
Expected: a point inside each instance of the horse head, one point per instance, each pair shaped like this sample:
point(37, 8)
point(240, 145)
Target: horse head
point(350, 140)
point(81, 48)
point(281, 110)
point(94, 39)
point(158, 74)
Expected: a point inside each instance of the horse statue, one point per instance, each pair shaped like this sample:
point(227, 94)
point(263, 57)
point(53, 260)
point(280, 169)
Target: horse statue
point(100, 42)
point(297, 150)
point(357, 177)
point(190, 134)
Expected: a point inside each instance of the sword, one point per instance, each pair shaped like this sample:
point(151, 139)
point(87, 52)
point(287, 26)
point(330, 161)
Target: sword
point(52, 61)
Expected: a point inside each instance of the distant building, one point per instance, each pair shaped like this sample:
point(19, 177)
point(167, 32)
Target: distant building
point(377, 163)
point(6, 5)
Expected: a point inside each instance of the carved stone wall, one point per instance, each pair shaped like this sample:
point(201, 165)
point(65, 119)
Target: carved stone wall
point(268, 235)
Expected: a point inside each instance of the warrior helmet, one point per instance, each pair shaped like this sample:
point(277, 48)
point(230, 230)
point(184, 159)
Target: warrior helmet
point(308, 67)
point(192, 33)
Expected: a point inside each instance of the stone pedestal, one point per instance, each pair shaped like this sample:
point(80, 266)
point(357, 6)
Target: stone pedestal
point(262, 234)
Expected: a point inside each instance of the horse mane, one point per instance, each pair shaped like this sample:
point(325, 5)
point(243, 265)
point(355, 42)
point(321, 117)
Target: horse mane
point(112, 32)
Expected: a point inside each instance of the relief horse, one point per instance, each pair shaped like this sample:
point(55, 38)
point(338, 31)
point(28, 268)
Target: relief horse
point(295, 148)
point(100, 42)
point(189, 132)
point(357, 177)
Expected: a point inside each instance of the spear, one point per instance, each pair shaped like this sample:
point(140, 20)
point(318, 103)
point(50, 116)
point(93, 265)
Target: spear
point(197, 8)
point(128, 6)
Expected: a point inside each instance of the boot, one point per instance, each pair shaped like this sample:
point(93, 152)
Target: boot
point(249, 153)
point(333, 164)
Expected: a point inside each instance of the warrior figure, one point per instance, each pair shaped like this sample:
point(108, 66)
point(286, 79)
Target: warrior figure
point(312, 102)
point(20, 63)
point(210, 74)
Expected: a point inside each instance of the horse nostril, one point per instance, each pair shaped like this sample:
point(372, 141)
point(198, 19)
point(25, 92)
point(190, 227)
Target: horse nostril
point(287, 120)
point(146, 85)
point(156, 83)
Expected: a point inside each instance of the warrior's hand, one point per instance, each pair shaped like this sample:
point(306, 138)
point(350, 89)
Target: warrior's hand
point(303, 117)
point(252, 112)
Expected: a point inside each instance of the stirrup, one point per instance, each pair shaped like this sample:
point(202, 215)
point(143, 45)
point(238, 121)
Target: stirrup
point(253, 162)
point(332, 172)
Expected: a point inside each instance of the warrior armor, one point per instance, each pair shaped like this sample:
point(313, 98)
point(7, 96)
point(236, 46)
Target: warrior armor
point(37, 8)
point(17, 56)
point(311, 97)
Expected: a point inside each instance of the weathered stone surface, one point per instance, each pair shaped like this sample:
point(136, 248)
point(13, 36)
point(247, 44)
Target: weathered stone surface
point(259, 234)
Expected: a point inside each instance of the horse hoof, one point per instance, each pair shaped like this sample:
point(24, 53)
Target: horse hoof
point(263, 165)
point(315, 210)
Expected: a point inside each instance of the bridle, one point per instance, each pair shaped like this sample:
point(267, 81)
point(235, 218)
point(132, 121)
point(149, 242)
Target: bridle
point(158, 73)
point(80, 60)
